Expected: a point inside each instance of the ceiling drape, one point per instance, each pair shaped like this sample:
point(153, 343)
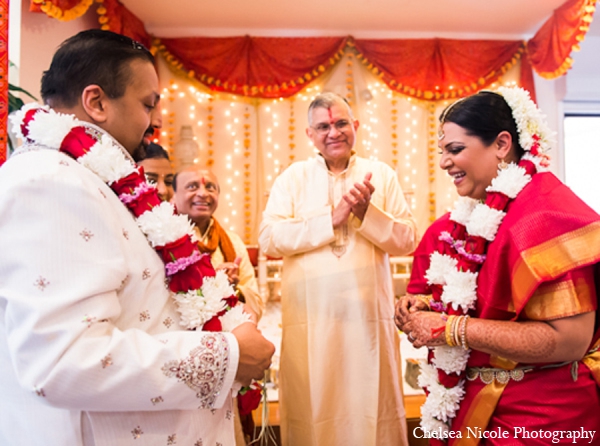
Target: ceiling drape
point(435, 69)
point(551, 47)
point(253, 66)
point(429, 69)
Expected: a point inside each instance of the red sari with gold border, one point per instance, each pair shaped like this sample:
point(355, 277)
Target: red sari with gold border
point(544, 264)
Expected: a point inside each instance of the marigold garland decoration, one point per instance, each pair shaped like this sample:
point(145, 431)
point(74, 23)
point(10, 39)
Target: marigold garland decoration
point(210, 133)
point(63, 10)
point(292, 129)
point(247, 196)
point(431, 151)
point(394, 135)
point(350, 77)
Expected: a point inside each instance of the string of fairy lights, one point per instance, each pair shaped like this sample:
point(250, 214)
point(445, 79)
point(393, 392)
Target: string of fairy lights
point(248, 143)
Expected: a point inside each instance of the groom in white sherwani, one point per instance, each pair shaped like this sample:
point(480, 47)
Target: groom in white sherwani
point(91, 348)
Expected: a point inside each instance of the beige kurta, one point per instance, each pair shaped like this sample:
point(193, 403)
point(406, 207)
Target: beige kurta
point(340, 365)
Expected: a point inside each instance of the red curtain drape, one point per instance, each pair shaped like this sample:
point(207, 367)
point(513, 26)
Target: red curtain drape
point(254, 66)
point(550, 49)
point(436, 69)
point(428, 69)
point(114, 16)
point(64, 10)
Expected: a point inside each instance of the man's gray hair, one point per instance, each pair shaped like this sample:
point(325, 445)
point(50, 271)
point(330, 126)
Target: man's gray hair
point(327, 100)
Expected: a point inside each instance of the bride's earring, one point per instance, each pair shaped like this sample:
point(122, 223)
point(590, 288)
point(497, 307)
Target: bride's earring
point(503, 165)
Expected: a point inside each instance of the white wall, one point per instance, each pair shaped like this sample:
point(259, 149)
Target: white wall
point(40, 36)
point(583, 80)
point(579, 90)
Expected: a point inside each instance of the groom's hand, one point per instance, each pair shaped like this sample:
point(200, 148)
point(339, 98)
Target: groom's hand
point(255, 353)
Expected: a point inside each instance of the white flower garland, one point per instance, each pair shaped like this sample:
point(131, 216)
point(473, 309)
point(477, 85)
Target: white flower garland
point(531, 123)
point(161, 225)
point(460, 287)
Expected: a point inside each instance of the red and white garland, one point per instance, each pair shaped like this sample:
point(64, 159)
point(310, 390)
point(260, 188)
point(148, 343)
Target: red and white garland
point(461, 252)
point(205, 299)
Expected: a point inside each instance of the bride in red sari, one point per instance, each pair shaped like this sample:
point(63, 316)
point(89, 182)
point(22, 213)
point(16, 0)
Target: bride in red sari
point(504, 289)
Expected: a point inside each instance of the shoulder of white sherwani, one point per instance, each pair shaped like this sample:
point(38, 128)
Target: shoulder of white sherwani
point(286, 228)
point(60, 291)
point(388, 222)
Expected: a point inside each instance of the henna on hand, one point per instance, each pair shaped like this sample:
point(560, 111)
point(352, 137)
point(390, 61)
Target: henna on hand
point(426, 328)
point(528, 342)
point(559, 340)
point(407, 304)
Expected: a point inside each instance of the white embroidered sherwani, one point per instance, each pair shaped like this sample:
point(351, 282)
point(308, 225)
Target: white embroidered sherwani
point(340, 366)
point(91, 351)
point(247, 285)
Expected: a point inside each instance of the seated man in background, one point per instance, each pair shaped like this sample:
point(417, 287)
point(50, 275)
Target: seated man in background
point(197, 195)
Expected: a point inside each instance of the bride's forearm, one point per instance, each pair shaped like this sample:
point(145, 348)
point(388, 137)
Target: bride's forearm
point(532, 341)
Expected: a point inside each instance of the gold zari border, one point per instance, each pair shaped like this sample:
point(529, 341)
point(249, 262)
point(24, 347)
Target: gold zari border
point(480, 411)
point(563, 299)
point(552, 259)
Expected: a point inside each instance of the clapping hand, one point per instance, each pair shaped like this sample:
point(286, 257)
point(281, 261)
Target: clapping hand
point(359, 197)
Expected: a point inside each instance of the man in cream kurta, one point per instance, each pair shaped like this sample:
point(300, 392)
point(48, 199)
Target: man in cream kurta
point(91, 349)
point(334, 219)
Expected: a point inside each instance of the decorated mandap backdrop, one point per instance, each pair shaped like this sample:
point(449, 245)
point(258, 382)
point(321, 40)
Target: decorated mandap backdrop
point(239, 104)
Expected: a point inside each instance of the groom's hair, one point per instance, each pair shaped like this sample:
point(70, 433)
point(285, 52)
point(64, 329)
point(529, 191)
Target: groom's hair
point(92, 57)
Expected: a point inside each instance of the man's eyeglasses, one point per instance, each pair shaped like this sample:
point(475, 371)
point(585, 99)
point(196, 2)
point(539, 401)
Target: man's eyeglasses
point(324, 128)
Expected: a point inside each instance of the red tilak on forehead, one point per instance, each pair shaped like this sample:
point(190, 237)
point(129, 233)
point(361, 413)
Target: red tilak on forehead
point(203, 181)
point(330, 115)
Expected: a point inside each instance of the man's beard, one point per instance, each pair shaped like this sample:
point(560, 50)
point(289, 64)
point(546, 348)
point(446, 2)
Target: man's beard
point(140, 151)
point(148, 135)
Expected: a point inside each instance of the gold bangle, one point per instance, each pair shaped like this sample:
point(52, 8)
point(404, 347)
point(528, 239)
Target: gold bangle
point(425, 299)
point(456, 331)
point(448, 332)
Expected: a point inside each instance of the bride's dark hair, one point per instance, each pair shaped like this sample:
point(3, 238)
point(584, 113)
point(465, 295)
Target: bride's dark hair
point(484, 115)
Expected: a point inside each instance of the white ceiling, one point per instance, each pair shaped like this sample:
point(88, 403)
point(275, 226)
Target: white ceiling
point(461, 19)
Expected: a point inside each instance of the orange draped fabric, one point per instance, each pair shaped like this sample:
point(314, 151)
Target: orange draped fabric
point(421, 68)
point(254, 66)
point(437, 69)
point(428, 69)
point(113, 16)
point(64, 10)
point(549, 50)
